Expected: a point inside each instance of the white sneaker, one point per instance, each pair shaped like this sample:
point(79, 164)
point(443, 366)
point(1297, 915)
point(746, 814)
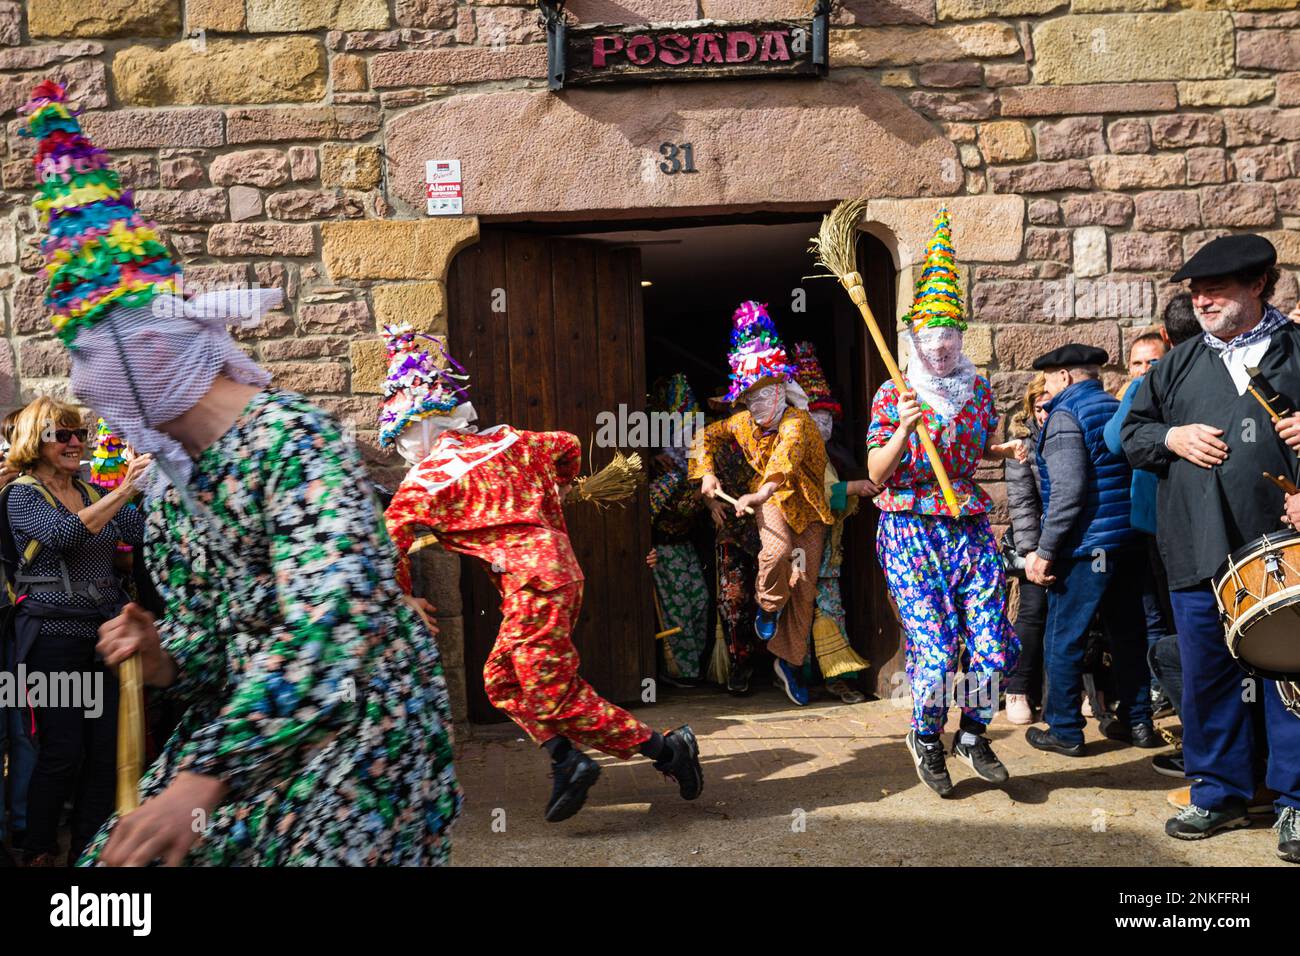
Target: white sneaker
point(1018, 709)
point(1086, 707)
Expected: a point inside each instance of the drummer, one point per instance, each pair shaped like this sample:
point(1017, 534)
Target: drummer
point(1208, 439)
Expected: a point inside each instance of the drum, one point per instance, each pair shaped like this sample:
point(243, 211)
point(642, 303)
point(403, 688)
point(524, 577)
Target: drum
point(1258, 592)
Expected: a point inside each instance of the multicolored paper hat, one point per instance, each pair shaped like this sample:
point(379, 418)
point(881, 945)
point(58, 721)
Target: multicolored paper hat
point(99, 251)
point(937, 299)
point(809, 375)
point(108, 463)
point(417, 386)
point(757, 355)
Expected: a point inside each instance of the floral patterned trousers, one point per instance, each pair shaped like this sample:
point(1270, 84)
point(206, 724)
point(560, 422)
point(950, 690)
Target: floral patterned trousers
point(684, 599)
point(736, 605)
point(532, 675)
point(787, 579)
point(947, 579)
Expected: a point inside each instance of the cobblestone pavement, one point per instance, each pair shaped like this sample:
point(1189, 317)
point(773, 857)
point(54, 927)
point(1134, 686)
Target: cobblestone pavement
point(829, 784)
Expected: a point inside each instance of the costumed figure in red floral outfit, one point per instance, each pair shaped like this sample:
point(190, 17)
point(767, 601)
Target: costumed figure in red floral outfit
point(496, 495)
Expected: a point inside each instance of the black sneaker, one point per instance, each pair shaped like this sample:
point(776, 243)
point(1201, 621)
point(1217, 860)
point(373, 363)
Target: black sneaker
point(980, 757)
point(683, 766)
point(574, 776)
point(738, 678)
point(1288, 834)
point(1042, 740)
point(930, 765)
point(1143, 735)
point(1197, 823)
point(1171, 765)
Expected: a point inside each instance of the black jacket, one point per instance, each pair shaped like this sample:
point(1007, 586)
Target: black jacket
point(1025, 497)
point(1204, 514)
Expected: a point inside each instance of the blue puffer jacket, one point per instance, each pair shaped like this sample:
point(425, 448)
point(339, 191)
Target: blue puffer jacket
point(1143, 490)
point(1104, 521)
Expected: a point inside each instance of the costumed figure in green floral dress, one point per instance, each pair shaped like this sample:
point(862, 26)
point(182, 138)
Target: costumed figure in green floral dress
point(676, 507)
point(316, 728)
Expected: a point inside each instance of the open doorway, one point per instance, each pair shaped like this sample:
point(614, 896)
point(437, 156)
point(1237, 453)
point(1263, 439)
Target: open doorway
point(597, 312)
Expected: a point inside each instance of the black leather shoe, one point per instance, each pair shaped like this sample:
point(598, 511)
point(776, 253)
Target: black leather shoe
point(683, 766)
point(574, 776)
point(1143, 735)
point(1040, 739)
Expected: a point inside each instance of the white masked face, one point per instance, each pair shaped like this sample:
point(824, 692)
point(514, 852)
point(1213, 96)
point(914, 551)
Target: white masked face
point(825, 423)
point(416, 440)
point(767, 404)
point(939, 349)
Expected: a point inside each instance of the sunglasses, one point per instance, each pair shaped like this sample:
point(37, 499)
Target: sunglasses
point(64, 435)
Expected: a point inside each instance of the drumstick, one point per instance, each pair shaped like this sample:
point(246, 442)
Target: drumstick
point(1285, 484)
point(1263, 401)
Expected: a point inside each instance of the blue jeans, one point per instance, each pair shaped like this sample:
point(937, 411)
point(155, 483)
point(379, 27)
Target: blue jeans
point(1219, 736)
point(1081, 590)
point(1167, 667)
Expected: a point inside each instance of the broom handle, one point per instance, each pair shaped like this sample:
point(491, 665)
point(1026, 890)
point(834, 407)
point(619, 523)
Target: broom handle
point(853, 283)
point(130, 734)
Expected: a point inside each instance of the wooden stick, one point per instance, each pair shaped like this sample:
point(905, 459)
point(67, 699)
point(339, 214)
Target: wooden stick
point(858, 293)
point(1287, 486)
point(731, 501)
point(1263, 401)
point(130, 734)
point(659, 613)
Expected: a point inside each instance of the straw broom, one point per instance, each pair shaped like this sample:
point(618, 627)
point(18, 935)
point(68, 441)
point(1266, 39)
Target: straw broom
point(130, 734)
point(835, 246)
point(613, 484)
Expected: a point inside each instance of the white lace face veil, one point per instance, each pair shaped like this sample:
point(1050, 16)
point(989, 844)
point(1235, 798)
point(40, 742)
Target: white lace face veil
point(939, 371)
point(768, 403)
point(416, 440)
point(824, 421)
point(140, 368)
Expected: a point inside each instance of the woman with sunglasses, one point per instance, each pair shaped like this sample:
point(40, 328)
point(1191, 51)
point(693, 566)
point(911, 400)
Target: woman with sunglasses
point(62, 535)
point(1024, 498)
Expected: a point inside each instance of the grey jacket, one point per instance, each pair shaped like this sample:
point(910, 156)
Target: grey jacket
point(1024, 497)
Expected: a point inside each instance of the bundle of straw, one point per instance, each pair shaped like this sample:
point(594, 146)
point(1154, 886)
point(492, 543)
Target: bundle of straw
point(836, 249)
point(613, 484)
point(130, 735)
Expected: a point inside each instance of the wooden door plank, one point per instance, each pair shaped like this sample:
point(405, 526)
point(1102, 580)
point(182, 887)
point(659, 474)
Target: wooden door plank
point(576, 404)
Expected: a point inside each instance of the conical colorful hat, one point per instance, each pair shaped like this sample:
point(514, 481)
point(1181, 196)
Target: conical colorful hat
point(757, 355)
point(813, 382)
point(108, 462)
point(937, 299)
point(99, 251)
point(417, 386)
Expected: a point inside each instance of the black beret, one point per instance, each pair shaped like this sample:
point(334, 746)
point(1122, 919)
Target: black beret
point(1071, 356)
point(1228, 255)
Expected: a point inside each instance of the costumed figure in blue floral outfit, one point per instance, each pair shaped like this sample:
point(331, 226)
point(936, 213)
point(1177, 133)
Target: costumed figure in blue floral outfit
point(943, 570)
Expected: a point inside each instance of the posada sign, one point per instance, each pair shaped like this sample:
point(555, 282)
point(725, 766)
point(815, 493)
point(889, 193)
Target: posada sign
point(691, 51)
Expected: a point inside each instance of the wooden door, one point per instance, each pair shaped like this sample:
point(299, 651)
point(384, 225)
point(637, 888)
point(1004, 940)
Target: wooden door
point(550, 330)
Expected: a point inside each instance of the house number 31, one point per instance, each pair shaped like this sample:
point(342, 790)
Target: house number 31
point(679, 158)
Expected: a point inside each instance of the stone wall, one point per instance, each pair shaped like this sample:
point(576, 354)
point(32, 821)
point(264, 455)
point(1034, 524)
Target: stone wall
point(1087, 147)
